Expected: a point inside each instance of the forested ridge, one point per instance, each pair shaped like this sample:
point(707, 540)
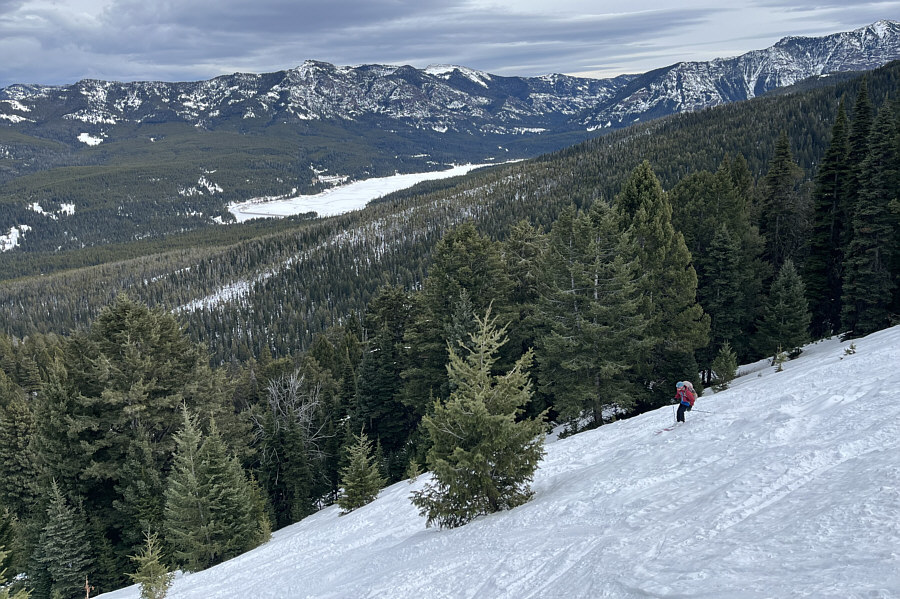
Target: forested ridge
point(200, 263)
point(573, 289)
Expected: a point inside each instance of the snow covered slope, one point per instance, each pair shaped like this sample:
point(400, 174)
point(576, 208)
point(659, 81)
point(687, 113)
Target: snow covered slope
point(789, 488)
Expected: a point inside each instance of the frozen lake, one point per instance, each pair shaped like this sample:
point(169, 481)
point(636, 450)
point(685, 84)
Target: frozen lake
point(341, 199)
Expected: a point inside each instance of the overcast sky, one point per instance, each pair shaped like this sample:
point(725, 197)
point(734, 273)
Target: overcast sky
point(62, 41)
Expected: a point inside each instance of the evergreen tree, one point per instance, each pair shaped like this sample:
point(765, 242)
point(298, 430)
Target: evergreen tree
point(18, 467)
point(8, 541)
point(591, 325)
point(725, 366)
point(676, 324)
point(259, 511)
point(28, 375)
point(824, 265)
point(785, 323)
point(522, 253)
point(381, 409)
point(361, 479)
point(870, 281)
point(64, 553)
point(858, 145)
point(723, 296)
point(121, 380)
point(52, 423)
point(482, 458)
point(140, 491)
point(233, 527)
point(784, 218)
point(324, 353)
point(5, 592)
point(153, 577)
point(462, 260)
point(728, 264)
point(186, 513)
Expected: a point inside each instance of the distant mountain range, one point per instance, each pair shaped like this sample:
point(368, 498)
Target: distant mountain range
point(240, 136)
point(445, 98)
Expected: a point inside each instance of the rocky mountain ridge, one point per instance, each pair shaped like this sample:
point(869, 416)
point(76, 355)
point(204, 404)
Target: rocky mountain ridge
point(446, 97)
point(690, 86)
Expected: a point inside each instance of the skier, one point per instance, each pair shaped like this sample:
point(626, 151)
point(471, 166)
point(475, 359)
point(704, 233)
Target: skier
point(685, 396)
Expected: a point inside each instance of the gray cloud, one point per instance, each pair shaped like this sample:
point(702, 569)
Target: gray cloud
point(197, 39)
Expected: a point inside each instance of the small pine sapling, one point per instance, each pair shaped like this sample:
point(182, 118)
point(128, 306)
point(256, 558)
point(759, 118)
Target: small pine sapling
point(779, 359)
point(361, 479)
point(413, 470)
point(154, 578)
point(849, 351)
point(725, 367)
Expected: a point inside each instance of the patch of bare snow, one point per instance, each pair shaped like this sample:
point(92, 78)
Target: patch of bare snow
point(338, 200)
point(89, 139)
point(11, 239)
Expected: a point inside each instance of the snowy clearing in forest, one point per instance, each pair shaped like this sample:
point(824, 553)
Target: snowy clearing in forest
point(341, 199)
point(787, 485)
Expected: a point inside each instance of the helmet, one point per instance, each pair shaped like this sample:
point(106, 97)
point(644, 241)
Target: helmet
point(679, 384)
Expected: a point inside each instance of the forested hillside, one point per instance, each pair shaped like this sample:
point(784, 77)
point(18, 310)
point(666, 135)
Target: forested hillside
point(391, 241)
point(208, 390)
point(104, 162)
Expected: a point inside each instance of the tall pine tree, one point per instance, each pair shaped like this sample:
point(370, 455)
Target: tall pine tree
point(676, 324)
point(463, 260)
point(823, 270)
point(18, 465)
point(589, 310)
point(64, 553)
point(784, 217)
point(187, 518)
point(872, 253)
point(724, 296)
point(380, 406)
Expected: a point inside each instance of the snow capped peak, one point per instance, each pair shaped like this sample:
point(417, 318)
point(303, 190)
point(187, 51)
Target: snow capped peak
point(446, 70)
point(882, 28)
point(453, 98)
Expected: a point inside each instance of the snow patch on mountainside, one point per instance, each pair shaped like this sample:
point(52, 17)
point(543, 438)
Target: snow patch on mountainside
point(786, 485)
point(87, 138)
point(11, 239)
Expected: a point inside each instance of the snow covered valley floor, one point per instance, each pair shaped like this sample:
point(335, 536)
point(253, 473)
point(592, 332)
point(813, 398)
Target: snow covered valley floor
point(340, 199)
point(790, 487)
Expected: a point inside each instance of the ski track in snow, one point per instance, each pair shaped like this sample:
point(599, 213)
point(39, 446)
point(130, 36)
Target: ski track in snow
point(790, 488)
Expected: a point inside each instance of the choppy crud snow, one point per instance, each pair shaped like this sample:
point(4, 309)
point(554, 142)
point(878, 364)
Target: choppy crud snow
point(341, 199)
point(789, 487)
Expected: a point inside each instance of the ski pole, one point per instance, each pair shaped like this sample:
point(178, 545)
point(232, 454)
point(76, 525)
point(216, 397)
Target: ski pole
point(703, 411)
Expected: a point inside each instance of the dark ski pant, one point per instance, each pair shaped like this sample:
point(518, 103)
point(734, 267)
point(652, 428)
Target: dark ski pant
point(681, 410)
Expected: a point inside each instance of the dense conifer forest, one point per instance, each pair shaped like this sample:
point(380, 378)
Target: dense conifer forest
point(592, 279)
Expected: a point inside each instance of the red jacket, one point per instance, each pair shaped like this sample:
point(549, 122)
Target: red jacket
point(686, 396)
